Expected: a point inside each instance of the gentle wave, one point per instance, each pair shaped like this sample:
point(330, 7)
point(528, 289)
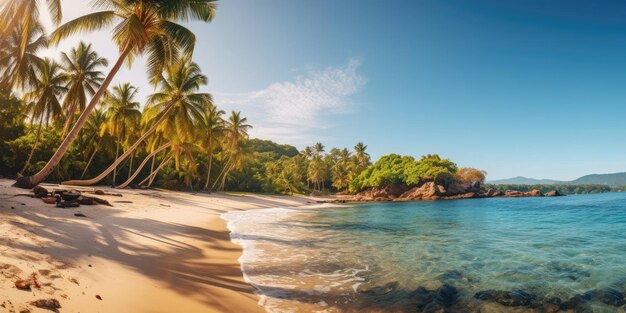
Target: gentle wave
point(375, 257)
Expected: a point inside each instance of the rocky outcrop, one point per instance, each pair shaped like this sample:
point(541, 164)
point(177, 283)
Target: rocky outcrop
point(386, 193)
point(432, 191)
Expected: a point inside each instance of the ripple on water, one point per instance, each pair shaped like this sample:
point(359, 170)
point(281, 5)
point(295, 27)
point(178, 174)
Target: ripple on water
point(549, 253)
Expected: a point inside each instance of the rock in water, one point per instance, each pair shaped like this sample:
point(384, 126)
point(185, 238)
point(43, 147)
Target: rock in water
point(50, 304)
point(553, 193)
point(507, 298)
point(446, 295)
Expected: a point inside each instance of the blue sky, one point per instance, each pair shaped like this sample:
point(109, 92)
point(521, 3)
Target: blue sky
point(532, 88)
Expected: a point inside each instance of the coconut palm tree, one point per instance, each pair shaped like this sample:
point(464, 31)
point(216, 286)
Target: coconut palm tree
point(141, 27)
point(45, 105)
point(122, 114)
point(318, 149)
point(22, 16)
point(19, 68)
point(173, 110)
point(362, 157)
point(94, 136)
point(212, 127)
point(83, 66)
point(235, 133)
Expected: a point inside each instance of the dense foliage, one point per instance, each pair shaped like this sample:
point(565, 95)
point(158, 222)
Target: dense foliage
point(406, 170)
point(565, 189)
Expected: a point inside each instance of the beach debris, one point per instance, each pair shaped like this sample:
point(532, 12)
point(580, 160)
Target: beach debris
point(40, 192)
point(74, 280)
point(24, 310)
point(165, 205)
point(27, 284)
point(72, 195)
point(123, 201)
point(101, 192)
point(49, 200)
point(98, 297)
point(12, 208)
point(102, 201)
point(79, 215)
point(50, 304)
point(68, 204)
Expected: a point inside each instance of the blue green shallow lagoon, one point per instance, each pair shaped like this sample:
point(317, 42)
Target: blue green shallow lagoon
point(395, 257)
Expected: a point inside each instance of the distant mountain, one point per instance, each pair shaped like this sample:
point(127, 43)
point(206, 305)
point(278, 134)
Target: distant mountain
point(520, 180)
point(613, 180)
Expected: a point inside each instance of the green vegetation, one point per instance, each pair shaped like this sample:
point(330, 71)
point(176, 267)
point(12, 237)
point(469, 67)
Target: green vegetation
point(565, 189)
point(405, 170)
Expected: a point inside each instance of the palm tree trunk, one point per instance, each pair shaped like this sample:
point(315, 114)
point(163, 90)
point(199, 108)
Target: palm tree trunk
point(130, 167)
point(117, 150)
point(70, 119)
point(119, 160)
point(34, 180)
point(217, 179)
point(208, 175)
point(155, 172)
point(151, 155)
point(32, 151)
point(91, 158)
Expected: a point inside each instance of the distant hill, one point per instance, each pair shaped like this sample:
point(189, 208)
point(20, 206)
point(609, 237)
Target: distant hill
point(613, 180)
point(520, 180)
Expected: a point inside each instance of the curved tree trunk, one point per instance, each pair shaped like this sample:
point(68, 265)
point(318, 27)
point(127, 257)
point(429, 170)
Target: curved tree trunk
point(130, 167)
point(143, 163)
point(32, 151)
point(153, 174)
point(119, 160)
point(117, 151)
point(34, 180)
point(70, 119)
point(217, 179)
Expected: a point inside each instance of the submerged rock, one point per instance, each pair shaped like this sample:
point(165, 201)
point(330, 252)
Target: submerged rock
point(381, 290)
point(507, 298)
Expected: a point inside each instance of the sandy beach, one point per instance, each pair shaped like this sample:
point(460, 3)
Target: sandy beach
point(151, 251)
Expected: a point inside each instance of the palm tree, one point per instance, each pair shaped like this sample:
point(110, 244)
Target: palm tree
point(22, 16)
point(19, 67)
point(173, 109)
point(82, 66)
point(318, 149)
point(236, 132)
point(362, 157)
point(45, 106)
point(212, 128)
point(122, 114)
point(144, 26)
point(93, 132)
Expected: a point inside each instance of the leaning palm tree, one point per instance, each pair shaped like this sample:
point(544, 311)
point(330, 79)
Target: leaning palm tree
point(174, 108)
point(143, 26)
point(45, 106)
point(20, 68)
point(83, 68)
point(122, 114)
point(211, 131)
point(362, 157)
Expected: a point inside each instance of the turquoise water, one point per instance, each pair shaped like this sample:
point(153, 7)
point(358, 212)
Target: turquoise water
point(378, 256)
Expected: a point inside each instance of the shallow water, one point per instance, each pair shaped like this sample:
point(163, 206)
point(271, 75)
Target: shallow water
point(373, 257)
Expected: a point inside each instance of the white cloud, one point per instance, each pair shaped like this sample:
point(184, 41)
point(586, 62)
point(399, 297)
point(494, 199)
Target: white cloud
point(290, 112)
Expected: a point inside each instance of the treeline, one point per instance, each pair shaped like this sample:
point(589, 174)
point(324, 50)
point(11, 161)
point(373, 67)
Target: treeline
point(561, 188)
point(394, 169)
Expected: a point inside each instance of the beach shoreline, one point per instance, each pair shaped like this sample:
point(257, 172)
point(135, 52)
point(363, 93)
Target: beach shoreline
point(151, 251)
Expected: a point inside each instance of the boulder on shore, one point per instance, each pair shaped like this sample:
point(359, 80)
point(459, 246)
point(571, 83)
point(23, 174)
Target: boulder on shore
point(533, 193)
point(428, 191)
point(385, 193)
point(553, 193)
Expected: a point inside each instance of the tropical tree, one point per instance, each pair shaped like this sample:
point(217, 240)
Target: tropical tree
point(143, 26)
point(20, 66)
point(234, 146)
point(45, 105)
point(362, 157)
point(20, 18)
point(83, 66)
point(122, 114)
point(94, 136)
point(212, 127)
point(171, 111)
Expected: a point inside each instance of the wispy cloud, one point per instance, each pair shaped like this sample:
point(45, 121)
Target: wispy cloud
point(291, 111)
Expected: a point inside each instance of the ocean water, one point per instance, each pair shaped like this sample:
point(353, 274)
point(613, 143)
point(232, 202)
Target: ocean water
point(378, 257)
